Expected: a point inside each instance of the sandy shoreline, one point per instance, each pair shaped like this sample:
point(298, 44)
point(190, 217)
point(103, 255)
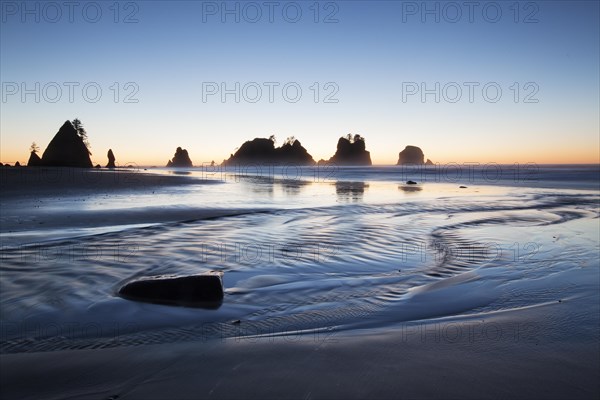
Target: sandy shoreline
point(431, 361)
point(42, 181)
point(45, 199)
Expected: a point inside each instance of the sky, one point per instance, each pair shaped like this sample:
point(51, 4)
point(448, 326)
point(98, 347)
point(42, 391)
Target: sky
point(504, 81)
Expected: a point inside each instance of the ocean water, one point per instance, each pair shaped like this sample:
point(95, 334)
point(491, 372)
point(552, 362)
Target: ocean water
point(308, 250)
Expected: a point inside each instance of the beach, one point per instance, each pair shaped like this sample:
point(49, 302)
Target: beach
point(351, 285)
point(429, 360)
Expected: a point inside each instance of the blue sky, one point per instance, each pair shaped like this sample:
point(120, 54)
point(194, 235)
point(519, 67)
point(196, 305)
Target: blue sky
point(369, 56)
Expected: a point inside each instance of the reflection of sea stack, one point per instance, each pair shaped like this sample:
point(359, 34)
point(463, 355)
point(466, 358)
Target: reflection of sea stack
point(111, 159)
point(350, 190)
point(34, 160)
point(67, 149)
point(181, 159)
point(263, 151)
point(351, 151)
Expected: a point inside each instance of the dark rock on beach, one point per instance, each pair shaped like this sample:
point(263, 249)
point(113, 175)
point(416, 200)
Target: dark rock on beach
point(411, 183)
point(192, 291)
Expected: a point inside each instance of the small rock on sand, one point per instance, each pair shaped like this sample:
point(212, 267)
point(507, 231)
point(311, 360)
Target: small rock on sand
point(204, 290)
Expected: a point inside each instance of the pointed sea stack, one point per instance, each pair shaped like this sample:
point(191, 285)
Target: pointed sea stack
point(67, 149)
point(34, 160)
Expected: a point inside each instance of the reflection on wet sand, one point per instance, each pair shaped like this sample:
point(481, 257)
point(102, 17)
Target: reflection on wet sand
point(350, 191)
point(292, 187)
point(410, 188)
point(268, 185)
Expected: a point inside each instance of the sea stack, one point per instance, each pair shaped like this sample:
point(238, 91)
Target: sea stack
point(263, 151)
point(411, 155)
point(34, 160)
point(111, 159)
point(67, 149)
point(180, 159)
point(351, 150)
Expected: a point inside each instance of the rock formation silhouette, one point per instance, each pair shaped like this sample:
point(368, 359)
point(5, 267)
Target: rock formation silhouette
point(67, 149)
point(34, 160)
point(411, 155)
point(263, 151)
point(180, 159)
point(351, 150)
point(111, 159)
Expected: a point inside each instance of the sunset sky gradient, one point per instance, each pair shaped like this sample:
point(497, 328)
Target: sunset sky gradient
point(373, 51)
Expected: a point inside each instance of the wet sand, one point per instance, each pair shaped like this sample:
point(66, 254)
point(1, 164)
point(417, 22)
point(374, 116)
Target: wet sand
point(30, 197)
point(538, 339)
point(25, 182)
point(522, 354)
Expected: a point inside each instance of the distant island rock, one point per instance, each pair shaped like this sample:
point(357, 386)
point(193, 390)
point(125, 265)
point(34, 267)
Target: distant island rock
point(180, 159)
point(351, 150)
point(263, 151)
point(34, 160)
point(412, 155)
point(67, 149)
point(111, 159)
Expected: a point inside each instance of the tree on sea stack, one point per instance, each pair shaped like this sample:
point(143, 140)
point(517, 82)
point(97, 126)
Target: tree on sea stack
point(78, 125)
point(34, 148)
point(34, 159)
